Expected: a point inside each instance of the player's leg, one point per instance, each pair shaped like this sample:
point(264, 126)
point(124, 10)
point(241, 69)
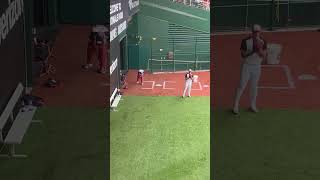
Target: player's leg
point(185, 89)
point(125, 84)
point(102, 59)
point(90, 53)
point(138, 77)
point(244, 77)
point(189, 87)
point(141, 79)
point(255, 76)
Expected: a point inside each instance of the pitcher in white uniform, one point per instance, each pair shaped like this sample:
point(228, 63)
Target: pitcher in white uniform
point(253, 52)
point(188, 83)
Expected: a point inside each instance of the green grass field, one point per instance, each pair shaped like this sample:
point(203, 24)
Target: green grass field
point(168, 138)
point(70, 144)
point(155, 138)
point(270, 145)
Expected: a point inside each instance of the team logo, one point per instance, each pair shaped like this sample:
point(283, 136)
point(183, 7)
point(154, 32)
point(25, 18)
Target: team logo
point(9, 18)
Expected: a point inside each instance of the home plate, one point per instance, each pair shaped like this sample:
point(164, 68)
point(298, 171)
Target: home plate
point(307, 77)
point(158, 85)
point(205, 86)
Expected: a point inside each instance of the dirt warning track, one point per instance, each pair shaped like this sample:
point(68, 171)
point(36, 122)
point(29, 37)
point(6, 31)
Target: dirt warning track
point(280, 86)
point(166, 84)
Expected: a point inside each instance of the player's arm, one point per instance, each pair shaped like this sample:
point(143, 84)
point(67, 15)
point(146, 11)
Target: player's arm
point(243, 49)
point(262, 51)
point(245, 54)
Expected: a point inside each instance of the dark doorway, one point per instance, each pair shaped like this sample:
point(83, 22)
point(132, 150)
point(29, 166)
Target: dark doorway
point(41, 13)
point(123, 54)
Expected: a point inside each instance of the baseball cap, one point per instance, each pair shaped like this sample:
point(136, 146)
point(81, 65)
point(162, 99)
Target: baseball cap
point(190, 70)
point(256, 28)
point(99, 28)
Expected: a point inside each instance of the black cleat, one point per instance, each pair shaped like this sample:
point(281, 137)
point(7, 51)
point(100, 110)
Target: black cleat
point(254, 110)
point(235, 112)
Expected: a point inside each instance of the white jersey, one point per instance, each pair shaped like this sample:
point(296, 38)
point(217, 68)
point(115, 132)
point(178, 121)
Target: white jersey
point(247, 45)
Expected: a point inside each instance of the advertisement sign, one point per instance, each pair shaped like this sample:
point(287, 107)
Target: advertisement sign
point(12, 51)
point(133, 6)
point(120, 11)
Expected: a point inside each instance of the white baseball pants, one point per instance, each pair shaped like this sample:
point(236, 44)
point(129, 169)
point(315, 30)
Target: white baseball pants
point(252, 73)
point(188, 86)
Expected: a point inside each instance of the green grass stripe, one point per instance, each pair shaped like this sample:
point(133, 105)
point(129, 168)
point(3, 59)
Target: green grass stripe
point(160, 138)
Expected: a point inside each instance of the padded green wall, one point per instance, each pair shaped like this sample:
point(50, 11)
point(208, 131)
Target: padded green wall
point(146, 27)
point(149, 28)
point(132, 46)
point(154, 22)
point(177, 13)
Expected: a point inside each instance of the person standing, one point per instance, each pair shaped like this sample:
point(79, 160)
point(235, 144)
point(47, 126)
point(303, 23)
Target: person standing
point(188, 83)
point(97, 44)
point(102, 51)
point(124, 81)
point(253, 52)
point(91, 49)
point(140, 76)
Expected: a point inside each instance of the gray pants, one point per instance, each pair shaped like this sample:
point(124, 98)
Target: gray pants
point(252, 73)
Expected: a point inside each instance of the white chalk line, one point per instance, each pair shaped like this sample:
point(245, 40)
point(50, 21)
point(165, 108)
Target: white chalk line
point(164, 84)
point(198, 89)
point(291, 84)
point(152, 87)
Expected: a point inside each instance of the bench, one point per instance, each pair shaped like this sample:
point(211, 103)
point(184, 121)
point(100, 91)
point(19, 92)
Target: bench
point(19, 123)
point(115, 102)
point(115, 99)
